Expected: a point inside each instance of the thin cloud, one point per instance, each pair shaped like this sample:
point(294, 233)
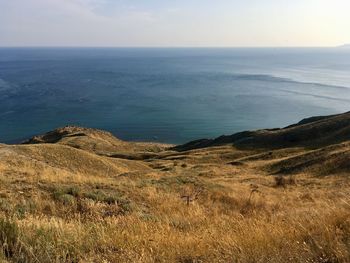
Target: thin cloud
point(173, 23)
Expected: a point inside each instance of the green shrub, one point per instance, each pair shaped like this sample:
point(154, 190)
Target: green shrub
point(125, 205)
point(57, 194)
point(67, 199)
point(66, 195)
point(74, 191)
point(5, 205)
point(8, 237)
point(97, 195)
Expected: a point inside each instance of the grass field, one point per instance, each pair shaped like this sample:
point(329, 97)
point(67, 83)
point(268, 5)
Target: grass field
point(88, 197)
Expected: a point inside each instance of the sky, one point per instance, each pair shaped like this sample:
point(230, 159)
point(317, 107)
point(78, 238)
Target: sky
point(174, 23)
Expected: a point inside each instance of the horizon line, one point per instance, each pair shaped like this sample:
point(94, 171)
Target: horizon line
point(153, 47)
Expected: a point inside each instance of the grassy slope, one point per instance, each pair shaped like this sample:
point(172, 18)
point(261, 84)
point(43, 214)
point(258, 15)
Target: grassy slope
point(312, 132)
point(81, 195)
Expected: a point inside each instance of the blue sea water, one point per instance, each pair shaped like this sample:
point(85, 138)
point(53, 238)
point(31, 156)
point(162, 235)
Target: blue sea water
point(168, 95)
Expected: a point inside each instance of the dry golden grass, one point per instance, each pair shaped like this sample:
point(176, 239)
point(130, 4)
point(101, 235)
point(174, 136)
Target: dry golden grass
point(62, 204)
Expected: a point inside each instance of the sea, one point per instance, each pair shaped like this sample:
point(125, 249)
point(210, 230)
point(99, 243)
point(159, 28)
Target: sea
point(170, 95)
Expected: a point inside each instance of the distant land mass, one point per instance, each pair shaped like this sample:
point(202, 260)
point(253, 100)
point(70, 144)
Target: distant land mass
point(345, 46)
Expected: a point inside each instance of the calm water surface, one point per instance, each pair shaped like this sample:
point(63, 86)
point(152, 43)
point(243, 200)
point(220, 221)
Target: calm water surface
point(168, 95)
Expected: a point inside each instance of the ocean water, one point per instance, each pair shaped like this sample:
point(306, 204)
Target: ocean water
point(168, 95)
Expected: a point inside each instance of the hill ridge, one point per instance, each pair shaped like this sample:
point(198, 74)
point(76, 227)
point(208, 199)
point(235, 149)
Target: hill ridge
point(310, 132)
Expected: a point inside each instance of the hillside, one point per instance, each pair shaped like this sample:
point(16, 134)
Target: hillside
point(81, 195)
point(311, 132)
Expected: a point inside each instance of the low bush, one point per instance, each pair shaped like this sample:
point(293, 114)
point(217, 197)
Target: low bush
point(284, 181)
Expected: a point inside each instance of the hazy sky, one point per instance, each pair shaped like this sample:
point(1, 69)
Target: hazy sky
point(174, 22)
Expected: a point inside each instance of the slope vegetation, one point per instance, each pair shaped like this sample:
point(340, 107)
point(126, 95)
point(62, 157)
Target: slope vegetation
point(81, 195)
